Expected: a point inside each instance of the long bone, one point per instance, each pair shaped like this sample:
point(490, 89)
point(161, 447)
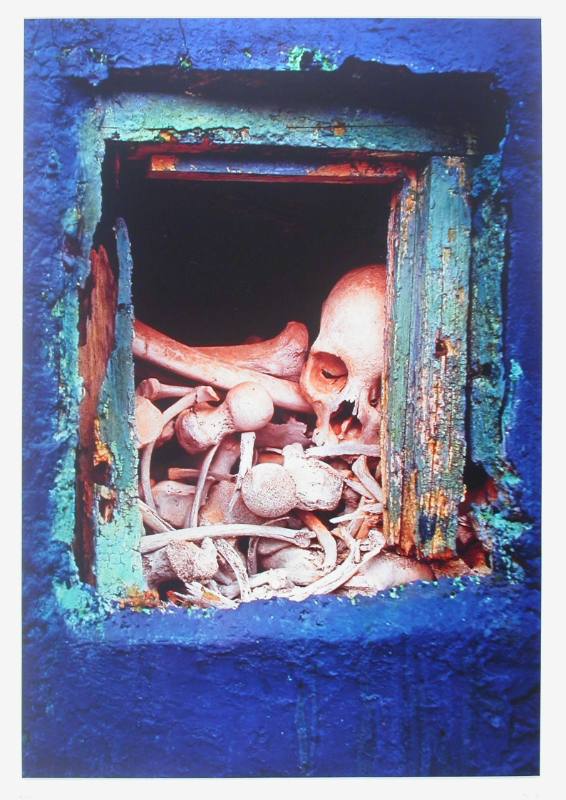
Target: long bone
point(157, 348)
point(155, 541)
point(283, 356)
point(191, 519)
point(153, 389)
point(247, 407)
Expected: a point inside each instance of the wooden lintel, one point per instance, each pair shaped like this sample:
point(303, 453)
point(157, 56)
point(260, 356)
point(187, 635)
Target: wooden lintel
point(174, 166)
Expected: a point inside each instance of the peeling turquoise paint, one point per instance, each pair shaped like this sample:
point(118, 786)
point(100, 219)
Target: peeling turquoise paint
point(511, 410)
point(118, 561)
point(497, 526)
point(136, 117)
point(80, 605)
point(185, 63)
point(486, 365)
point(303, 58)
point(62, 355)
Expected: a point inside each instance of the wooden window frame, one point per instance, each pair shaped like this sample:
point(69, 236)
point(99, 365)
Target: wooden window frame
point(426, 341)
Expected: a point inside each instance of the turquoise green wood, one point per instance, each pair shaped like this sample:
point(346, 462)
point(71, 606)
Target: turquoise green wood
point(155, 117)
point(487, 371)
point(425, 381)
point(118, 523)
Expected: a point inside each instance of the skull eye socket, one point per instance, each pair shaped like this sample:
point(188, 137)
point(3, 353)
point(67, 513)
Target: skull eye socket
point(328, 373)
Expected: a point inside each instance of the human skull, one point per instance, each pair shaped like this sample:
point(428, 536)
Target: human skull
point(342, 375)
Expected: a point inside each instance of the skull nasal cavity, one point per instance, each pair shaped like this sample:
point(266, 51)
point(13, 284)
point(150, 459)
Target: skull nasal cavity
point(343, 422)
point(329, 373)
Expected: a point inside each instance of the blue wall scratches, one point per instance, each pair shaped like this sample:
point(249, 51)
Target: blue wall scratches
point(434, 680)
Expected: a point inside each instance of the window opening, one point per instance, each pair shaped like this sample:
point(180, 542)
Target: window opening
point(258, 404)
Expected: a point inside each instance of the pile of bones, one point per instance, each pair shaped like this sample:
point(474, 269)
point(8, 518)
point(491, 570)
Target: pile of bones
point(277, 486)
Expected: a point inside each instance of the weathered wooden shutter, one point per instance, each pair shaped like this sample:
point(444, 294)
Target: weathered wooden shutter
point(426, 358)
point(111, 522)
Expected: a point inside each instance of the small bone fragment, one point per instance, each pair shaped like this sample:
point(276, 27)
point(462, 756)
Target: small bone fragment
point(153, 389)
point(341, 574)
point(282, 356)
point(167, 433)
point(149, 421)
point(157, 348)
point(351, 499)
point(251, 557)
point(155, 541)
point(247, 441)
point(199, 595)
point(183, 560)
point(325, 538)
point(145, 474)
point(152, 520)
point(387, 571)
point(368, 528)
point(230, 555)
point(275, 578)
point(302, 567)
point(361, 471)
point(221, 577)
point(373, 508)
point(319, 486)
point(191, 519)
point(173, 501)
point(280, 435)
point(217, 508)
point(247, 407)
point(358, 488)
point(188, 473)
point(227, 455)
point(355, 524)
point(344, 449)
point(342, 533)
point(269, 490)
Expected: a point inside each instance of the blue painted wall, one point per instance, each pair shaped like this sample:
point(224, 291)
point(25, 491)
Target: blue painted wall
point(433, 680)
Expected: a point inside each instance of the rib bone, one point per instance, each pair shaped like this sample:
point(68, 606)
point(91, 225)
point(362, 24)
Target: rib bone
point(159, 349)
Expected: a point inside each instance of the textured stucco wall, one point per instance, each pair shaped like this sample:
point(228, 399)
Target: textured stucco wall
point(432, 680)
